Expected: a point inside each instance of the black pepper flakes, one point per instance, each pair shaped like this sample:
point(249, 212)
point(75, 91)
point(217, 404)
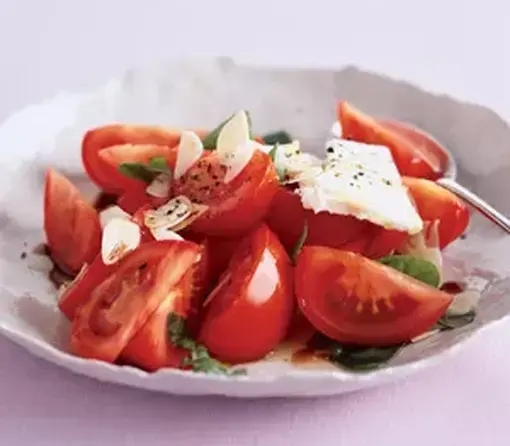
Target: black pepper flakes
point(23, 255)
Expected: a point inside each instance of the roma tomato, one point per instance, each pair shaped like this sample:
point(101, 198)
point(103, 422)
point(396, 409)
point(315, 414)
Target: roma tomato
point(411, 155)
point(80, 290)
point(434, 202)
point(287, 218)
point(150, 348)
point(354, 300)
point(125, 300)
point(71, 224)
point(233, 208)
point(249, 311)
point(145, 141)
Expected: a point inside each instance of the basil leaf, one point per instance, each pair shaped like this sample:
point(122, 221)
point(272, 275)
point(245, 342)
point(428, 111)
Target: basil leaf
point(281, 137)
point(272, 152)
point(145, 172)
point(138, 171)
point(361, 358)
point(158, 164)
point(300, 243)
point(209, 141)
point(448, 322)
point(199, 359)
point(419, 269)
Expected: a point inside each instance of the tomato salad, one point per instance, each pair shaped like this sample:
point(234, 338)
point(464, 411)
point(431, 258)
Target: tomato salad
point(218, 245)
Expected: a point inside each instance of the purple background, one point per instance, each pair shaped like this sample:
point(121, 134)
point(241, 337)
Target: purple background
point(56, 44)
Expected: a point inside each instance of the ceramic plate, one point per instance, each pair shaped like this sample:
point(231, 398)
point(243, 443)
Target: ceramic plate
point(202, 93)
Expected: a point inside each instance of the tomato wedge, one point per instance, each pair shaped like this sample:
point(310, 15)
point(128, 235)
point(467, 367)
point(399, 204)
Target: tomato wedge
point(233, 208)
point(122, 303)
point(150, 348)
point(71, 224)
point(249, 311)
point(434, 202)
point(411, 154)
point(287, 219)
point(80, 290)
point(145, 141)
point(354, 300)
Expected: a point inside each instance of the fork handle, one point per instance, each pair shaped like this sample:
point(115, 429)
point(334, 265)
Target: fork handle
point(474, 200)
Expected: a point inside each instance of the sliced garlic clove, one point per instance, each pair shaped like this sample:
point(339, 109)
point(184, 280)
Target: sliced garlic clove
point(110, 213)
point(164, 233)
point(197, 211)
point(464, 302)
point(172, 213)
point(119, 237)
point(239, 159)
point(189, 151)
point(160, 186)
point(234, 133)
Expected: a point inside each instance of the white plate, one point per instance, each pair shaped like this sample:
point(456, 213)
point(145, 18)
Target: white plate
point(202, 93)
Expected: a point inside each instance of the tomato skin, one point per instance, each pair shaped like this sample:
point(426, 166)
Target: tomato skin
point(287, 218)
point(234, 208)
point(249, 312)
point(81, 288)
point(434, 202)
point(411, 156)
point(71, 224)
point(121, 304)
point(354, 300)
point(150, 348)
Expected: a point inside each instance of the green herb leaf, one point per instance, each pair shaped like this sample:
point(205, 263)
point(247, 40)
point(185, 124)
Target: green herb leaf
point(145, 172)
point(210, 140)
point(280, 137)
point(199, 359)
point(419, 269)
point(448, 322)
point(361, 358)
point(273, 151)
point(300, 243)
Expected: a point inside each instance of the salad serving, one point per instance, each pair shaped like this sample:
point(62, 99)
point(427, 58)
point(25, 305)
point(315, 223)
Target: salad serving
point(209, 249)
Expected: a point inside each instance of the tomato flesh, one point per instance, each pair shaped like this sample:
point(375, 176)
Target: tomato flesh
point(122, 303)
point(434, 202)
point(354, 300)
point(248, 313)
point(411, 155)
point(71, 223)
point(233, 208)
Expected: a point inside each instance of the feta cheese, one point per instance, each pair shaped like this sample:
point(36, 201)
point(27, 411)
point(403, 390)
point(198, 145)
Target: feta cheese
point(361, 180)
point(234, 147)
point(293, 166)
point(189, 151)
point(110, 213)
point(120, 236)
point(160, 186)
point(336, 130)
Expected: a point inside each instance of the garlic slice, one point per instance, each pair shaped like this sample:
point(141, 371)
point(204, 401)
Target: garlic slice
point(189, 151)
point(108, 214)
point(175, 215)
point(464, 302)
point(120, 236)
point(234, 147)
point(164, 233)
point(294, 166)
point(160, 186)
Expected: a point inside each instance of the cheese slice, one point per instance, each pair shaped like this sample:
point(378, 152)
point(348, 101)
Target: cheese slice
point(361, 180)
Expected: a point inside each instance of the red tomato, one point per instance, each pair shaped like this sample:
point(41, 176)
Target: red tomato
point(71, 224)
point(248, 313)
point(354, 300)
point(411, 154)
point(236, 207)
point(82, 286)
point(434, 202)
point(150, 348)
point(287, 218)
point(103, 172)
point(136, 198)
point(122, 303)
